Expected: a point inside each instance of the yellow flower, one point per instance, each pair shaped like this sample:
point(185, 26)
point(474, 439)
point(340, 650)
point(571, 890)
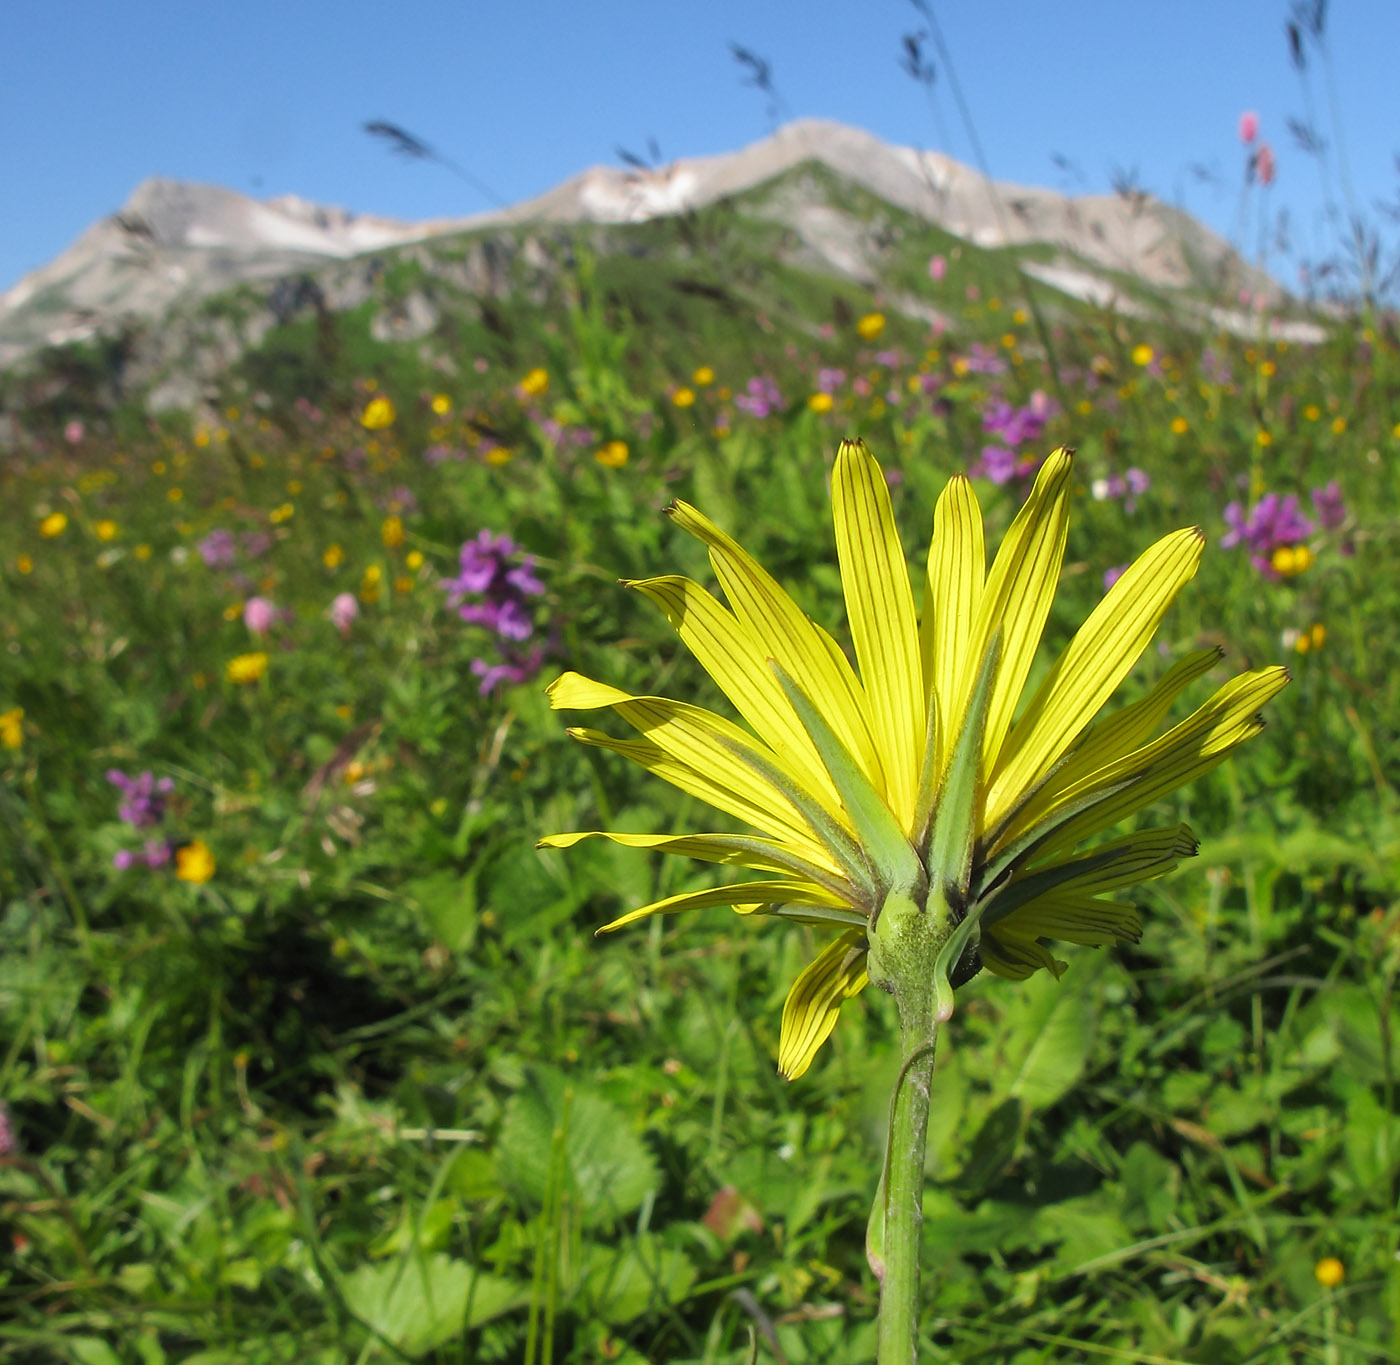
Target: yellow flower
point(703, 376)
point(105, 529)
point(403, 584)
point(683, 398)
point(201, 437)
point(870, 326)
point(820, 402)
point(142, 552)
point(378, 414)
point(1290, 560)
point(1180, 426)
point(498, 455)
point(1263, 438)
point(194, 862)
point(391, 532)
point(53, 525)
point(246, 668)
point(536, 382)
point(1330, 1272)
point(1311, 639)
point(174, 494)
point(332, 556)
point(441, 404)
point(414, 559)
point(24, 563)
point(842, 767)
point(280, 514)
point(1142, 354)
point(11, 732)
point(1312, 412)
point(613, 455)
point(1339, 425)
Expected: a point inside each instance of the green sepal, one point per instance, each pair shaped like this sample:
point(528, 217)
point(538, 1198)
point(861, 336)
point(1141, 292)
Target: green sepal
point(845, 850)
point(892, 857)
point(952, 837)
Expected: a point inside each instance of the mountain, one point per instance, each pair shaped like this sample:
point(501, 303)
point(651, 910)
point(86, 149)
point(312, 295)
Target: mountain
point(173, 245)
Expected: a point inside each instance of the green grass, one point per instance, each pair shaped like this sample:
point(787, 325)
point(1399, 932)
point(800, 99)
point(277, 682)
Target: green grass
point(374, 1091)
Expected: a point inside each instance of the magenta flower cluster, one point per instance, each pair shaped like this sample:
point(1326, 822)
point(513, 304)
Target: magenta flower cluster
point(1013, 426)
point(492, 589)
point(761, 397)
point(1278, 520)
point(142, 807)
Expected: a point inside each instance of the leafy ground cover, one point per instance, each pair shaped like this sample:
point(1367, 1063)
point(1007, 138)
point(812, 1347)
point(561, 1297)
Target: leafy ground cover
point(308, 1054)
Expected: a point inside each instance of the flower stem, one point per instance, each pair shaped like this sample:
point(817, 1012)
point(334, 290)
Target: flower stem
point(901, 1191)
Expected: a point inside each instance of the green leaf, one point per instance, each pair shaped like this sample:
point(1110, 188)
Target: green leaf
point(420, 1304)
point(608, 1170)
point(1047, 1031)
point(621, 1283)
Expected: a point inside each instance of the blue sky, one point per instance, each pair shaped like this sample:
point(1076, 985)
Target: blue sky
point(269, 98)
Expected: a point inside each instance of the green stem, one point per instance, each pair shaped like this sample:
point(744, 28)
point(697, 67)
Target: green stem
point(902, 1190)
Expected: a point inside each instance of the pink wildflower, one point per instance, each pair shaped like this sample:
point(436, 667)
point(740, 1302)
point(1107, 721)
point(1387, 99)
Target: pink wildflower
point(1249, 126)
point(258, 615)
point(344, 609)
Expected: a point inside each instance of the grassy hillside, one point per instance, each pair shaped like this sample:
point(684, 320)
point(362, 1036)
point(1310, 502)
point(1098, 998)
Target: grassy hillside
point(308, 1054)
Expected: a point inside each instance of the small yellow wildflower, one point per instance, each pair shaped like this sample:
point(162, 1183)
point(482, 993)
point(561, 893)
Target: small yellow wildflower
point(233, 611)
point(1339, 425)
point(403, 584)
point(105, 529)
point(369, 584)
point(280, 514)
point(870, 326)
point(53, 525)
point(332, 556)
point(344, 712)
point(24, 563)
point(246, 668)
point(158, 467)
point(11, 732)
point(1008, 341)
point(1263, 438)
point(1143, 354)
point(683, 397)
point(378, 414)
point(498, 455)
point(293, 486)
point(441, 404)
point(1312, 639)
point(142, 552)
point(1330, 1272)
point(820, 402)
point(201, 437)
point(703, 375)
point(1020, 317)
point(1180, 426)
point(536, 382)
point(613, 455)
point(1290, 560)
point(1268, 369)
point(391, 532)
point(414, 559)
point(194, 862)
point(174, 494)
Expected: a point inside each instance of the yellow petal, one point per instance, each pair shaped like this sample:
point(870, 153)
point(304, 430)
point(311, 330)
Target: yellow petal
point(1086, 920)
point(1137, 857)
point(957, 566)
point(807, 653)
point(1015, 958)
point(880, 609)
point(815, 1000)
point(1181, 755)
point(763, 809)
point(737, 893)
point(738, 661)
point(1020, 589)
point(1104, 648)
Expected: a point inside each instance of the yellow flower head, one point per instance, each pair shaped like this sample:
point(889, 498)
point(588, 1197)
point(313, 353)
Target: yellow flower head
point(613, 455)
point(246, 668)
point(24, 563)
point(332, 556)
point(841, 768)
point(703, 376)
point(378, 414)
point(870, 326)
point(11, 731)
point(536, 382)
point(53, 525)
point(1142, 354)
point(105, 530)
point(683, 397)
point(391, 532)
point(441, 404)
point(194, 862)
point(1290, 560)
point(1330, 1272)
point(414, 559)
point(820, 402)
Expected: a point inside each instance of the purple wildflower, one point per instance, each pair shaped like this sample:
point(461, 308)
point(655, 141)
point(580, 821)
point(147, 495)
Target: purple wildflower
point(829, 380)
point(1327, 503)
point(143, 797)
point(217, 548)
point(760, 397)
point(1273, 522)
point(516, 670)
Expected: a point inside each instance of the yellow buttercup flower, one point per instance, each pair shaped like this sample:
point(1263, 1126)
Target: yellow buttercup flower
point(391, 532)
point(1290, 560)
point(1142, 354)
point(332, 556)
point(246, 668)
point(378, 414)
point(414, 559)
point(1330, 1272)
point(613, 455)
point(703, 376)
point(105, 529)
point(820, 402)
point(1180, 426)
point(536, 382)
point(24, 563)
point(870, 326)
point(53, 525)
point(194, 862)
point(441, 404)
point(683, 397)
point(841, 768)
point(11, 731)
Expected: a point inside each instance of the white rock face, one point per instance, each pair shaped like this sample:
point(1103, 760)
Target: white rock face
point(173, 242)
